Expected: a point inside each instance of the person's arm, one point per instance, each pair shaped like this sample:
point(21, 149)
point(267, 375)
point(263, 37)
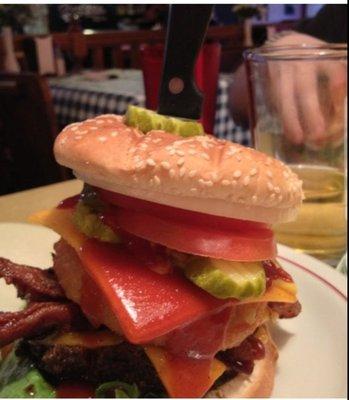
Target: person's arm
point(330, 22)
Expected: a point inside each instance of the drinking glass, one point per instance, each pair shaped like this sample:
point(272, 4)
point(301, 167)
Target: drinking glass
point(298, 114)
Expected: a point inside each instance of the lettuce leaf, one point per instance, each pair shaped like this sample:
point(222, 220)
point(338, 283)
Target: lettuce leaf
point(19, 379)
point(117, 389)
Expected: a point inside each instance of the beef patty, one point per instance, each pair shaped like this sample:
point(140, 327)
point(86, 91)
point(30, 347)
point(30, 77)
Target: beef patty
point(124, 362)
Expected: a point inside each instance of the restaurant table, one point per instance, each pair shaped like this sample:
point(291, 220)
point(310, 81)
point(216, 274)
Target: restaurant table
point(85, 95)
point(17, 207)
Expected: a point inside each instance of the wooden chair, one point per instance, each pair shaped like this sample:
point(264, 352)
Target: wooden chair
point(27, 132)
point(121, 49)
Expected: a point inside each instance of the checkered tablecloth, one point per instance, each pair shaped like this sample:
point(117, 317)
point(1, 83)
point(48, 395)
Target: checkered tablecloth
point(78, 97)
point(224, 126)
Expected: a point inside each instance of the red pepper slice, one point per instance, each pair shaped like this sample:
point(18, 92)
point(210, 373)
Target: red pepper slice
point(146, 303)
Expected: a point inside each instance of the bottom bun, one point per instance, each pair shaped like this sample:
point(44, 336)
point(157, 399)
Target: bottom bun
point(260, 383)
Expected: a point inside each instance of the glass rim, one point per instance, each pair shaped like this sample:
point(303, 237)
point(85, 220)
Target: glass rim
point(326, 51)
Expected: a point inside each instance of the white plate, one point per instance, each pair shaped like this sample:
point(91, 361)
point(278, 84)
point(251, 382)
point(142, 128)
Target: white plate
point(312, 361)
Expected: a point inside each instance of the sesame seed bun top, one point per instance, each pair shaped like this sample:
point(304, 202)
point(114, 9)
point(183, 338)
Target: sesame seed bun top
point(200, 173)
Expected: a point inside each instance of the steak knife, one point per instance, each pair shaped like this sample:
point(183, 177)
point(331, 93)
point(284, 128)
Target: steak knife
point(179, 95)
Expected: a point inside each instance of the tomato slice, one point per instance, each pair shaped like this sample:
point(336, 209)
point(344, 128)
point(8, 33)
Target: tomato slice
point(179, 214)
point(198, 239)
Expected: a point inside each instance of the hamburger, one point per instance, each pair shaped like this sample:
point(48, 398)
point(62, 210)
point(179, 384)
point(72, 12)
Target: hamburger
point(164, 282)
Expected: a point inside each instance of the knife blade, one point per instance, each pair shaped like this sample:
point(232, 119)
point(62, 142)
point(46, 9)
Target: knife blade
point(179, 95)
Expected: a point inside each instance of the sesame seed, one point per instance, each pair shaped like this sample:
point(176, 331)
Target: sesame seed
point(93, 128)
point(165, 164)
point(83, 132)
point(151, 162)
point(272, 196)
point(270, 186)
point(156, 140)
point(231, 151)
point(214, 176)
point(238, 158)
point(180, 153)
point(234, 183)
point(205, 156)
point(225, 182)
point(182, 172)
point(180, 162)
point(192, 173)
point(202, 182)
point(172, 152)
point(270, 174)
point(172, 173)
point(77, 137)
point(192, 152)
point(276, 189)
point(253, 172)
point(99, 122)
point(157, 180)
point(237, 174)
point(193, 190)
point(113, 134)
point(74, 128)
point(254, 199)
point(280, 197)
point(102, 139)
point(246, 181)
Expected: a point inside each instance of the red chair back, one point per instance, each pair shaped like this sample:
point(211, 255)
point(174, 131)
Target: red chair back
point(206, 77)
point(151, 64)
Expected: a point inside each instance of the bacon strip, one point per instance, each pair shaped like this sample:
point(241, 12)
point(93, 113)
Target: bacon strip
point(32, 283)
point(286, 310)
point(36, 319)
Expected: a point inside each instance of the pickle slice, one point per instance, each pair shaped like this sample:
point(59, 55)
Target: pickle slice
point(147, 120)
point(89, 223)
point(227, 279)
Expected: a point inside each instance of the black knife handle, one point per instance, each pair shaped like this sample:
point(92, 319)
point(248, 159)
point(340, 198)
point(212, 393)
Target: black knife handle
point(187, 25)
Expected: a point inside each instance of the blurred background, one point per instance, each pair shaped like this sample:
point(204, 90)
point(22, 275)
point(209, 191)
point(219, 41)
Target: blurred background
point(65, 63)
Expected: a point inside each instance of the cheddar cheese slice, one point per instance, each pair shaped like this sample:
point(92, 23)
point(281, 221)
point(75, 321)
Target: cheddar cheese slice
point(184, 377)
